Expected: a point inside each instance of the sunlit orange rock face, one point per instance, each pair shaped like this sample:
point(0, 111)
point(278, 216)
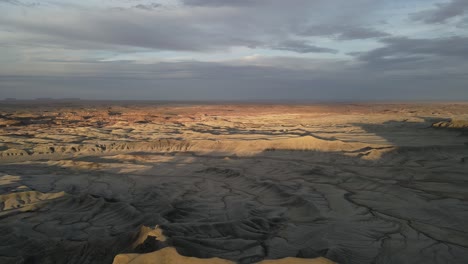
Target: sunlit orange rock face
point(146, 182)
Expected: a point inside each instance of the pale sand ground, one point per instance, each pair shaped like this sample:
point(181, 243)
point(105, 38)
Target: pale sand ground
point(87, 182)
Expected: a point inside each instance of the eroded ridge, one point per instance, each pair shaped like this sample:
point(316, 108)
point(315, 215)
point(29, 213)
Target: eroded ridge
point(236, 186)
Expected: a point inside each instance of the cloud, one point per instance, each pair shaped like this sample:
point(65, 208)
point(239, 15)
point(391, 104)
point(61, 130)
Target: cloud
point(403, 48)
point(301, 47)
point(419, 59)
point(174, 29)
point(150, 6)
point(247, 23)
point(442, 12)
point(273, 80)
point(19, 3)
point(202, 49)
point(131, 28)
point(343, 32)
point(220, 2)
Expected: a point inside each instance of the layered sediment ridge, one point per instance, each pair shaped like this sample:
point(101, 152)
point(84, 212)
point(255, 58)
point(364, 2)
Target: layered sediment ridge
point(221, 147)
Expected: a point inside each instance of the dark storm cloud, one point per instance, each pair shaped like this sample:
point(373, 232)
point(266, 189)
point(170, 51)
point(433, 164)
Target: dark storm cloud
point(442, 12)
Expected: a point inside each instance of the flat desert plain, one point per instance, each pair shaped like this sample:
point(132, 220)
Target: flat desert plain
point(148, 182)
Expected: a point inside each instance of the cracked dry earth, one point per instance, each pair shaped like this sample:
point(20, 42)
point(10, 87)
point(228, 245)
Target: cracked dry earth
point(96, 182)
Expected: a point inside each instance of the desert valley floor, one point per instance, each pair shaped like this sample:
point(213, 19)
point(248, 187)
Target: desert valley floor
point(146, 182)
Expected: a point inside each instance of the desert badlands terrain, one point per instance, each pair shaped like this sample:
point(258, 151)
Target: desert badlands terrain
point(147, 182)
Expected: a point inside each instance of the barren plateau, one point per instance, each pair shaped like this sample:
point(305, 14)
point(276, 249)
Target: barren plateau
point(146, 182)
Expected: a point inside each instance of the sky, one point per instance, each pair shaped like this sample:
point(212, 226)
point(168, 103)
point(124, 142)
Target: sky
point(313, 50)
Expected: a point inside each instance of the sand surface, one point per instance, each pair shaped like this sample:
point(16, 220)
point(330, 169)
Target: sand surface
point(123, 182)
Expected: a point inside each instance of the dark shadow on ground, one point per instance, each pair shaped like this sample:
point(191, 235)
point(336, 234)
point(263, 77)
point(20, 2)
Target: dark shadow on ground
point(409, 206)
